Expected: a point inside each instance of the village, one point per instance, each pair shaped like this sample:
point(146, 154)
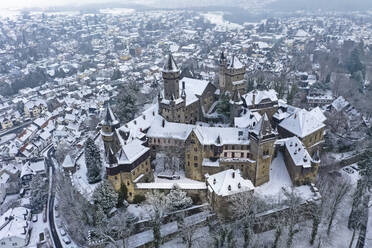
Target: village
point(169, 129)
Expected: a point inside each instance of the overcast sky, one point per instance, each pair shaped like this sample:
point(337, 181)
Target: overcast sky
point(5, 4)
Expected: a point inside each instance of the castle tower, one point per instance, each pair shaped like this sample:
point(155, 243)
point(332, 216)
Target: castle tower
point(222, 66)
point(109, 124)
point(171, 76)
point(236, 104)
point(262, 138)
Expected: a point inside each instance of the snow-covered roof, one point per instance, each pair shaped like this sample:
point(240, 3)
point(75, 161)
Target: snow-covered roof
point(247, 120)
point(16, 226)
point(170, 64)
point(221, 135)
point(257, 96)
point(302, 123)
point(137, 126)
point(110, 118)
point(132, 151)
point(170, 130)
point(298, 152)
point(31, 168)
point(234, 63)
point(193, 88)
point(228, 182)
point(318, 113)
point(340, 103)
point(67, 162)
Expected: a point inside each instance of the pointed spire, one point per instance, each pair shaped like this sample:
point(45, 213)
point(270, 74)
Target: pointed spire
point(110, 119)
point(170, 64)
point(218, 140)
point(183, 92)
point(222, 57)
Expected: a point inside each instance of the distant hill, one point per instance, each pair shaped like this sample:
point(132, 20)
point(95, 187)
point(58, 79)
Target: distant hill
point(338, 5)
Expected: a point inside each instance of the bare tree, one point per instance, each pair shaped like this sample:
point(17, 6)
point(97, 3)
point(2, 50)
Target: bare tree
point(77, 212)
point(115, 230)
point(158, 203)
point(244, 208)
point(338, 190)
point(293, 214)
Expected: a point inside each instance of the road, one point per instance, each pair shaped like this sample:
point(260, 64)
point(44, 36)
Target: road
point(15, 129)
point(52, 226)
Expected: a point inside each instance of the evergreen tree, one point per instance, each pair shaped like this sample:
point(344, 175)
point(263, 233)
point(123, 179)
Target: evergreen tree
point(92, 161)
point(122, 195)
point(105, 196)
point(177, 200)
point(39, 193)
point(126, 107)
point(223, 106)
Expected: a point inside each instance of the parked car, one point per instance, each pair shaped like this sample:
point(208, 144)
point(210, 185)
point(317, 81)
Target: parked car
point(66, 240)
point(34, 218)
point(62, 232)
point(348, 170)
point(58, 223)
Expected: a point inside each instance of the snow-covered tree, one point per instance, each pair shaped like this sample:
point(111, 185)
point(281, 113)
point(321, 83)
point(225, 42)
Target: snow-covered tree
point(337, 193)
point(92, 161)
point(63, 148)
point(77, 212)
point(105, 196)
point(177, 200)
point(293, 214)
point(158, 202)
point(39, 193)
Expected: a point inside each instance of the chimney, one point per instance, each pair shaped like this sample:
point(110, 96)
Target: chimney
point(214, 181)
point(163, 123)
point(229, 187)
point(233, 174)
point(239, 185)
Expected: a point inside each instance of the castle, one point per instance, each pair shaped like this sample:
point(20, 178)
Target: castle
point(262, 126)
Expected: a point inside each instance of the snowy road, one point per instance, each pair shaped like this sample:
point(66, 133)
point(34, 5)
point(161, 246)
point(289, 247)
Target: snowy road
point(53, 230)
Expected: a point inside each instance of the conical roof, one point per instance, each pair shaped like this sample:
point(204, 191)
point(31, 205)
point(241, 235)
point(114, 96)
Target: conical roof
point(170, 64)
point(109, 118)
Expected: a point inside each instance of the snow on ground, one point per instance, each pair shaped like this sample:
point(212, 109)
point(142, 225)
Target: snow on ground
point(140, 211)
point(37, 228)
point(369, 226)
point(58, 219)
point(279, 178)
point(217, 18)
point(200, 238)
point(80, 180)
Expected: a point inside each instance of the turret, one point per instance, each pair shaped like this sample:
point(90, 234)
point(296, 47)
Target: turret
point(171, 75)
point(183, 92)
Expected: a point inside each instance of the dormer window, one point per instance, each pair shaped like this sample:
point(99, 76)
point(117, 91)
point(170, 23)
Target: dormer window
point(233, 175)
